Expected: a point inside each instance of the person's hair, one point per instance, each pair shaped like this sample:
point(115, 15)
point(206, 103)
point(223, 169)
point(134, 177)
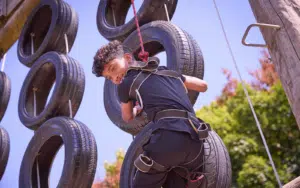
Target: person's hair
point(105, 54)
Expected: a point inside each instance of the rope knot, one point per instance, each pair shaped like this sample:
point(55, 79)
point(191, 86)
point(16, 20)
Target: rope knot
point(143, 55)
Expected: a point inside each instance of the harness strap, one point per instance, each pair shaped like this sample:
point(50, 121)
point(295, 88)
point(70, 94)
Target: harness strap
point(145, 164)
point(136, 84)
point(202, 130)
point(144, 75)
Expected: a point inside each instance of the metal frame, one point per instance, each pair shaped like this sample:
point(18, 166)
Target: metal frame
point(277, 27)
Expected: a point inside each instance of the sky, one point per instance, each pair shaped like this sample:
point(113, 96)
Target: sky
point(199, 18)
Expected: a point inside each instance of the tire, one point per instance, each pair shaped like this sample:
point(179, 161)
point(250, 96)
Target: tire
point(112, 107)
point(198, 65)
point(4, 150)
point(157, 36)
point(217, 166)
point(69, 79)
point(217, 162)
point(5, 91)
point(49, 21)
point(80, 154)
point(150, 10)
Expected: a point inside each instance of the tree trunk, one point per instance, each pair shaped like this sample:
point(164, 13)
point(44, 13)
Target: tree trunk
point(10, 32)
point(293, 184)
point(283, 44)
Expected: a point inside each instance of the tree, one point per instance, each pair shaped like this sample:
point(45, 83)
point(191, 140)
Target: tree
point(112, 176)
point(231, 117)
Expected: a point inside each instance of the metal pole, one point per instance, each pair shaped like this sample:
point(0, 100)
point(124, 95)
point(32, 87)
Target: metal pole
point(67, 44)
point(38, 173)
point(167, 13)
point(32, 44)
point(70, 108)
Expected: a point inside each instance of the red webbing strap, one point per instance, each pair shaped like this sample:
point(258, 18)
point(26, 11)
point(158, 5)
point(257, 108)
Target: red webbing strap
point(143, 55)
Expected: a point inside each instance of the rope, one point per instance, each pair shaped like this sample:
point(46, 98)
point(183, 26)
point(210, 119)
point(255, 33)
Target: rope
point(248, 98)
point(143, 55)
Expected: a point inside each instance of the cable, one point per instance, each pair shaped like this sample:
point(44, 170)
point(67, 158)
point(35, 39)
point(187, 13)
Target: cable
point(248, 98)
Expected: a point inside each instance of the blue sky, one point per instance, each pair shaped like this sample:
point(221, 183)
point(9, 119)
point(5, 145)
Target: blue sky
point(199, 18)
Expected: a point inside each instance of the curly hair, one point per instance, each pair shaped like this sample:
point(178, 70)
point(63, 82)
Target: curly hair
point(105, 54)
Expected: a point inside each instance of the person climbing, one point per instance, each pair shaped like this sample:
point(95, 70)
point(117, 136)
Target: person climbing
point(172, 156)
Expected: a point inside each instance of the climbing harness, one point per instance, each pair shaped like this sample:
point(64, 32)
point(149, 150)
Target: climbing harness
point(248, 98)
point(145, 164)
point(202, 130)
point(150, 68)
point(143, 55)
point(194, 178)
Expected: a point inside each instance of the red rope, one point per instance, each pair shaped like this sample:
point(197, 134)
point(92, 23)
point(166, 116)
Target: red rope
point(143, 55)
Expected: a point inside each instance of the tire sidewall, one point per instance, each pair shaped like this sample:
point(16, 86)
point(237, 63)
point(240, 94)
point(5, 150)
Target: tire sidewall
point(27, 60)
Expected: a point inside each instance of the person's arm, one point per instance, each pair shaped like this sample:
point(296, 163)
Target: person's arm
point(127, 113)
point(193, 83)
point(127, 110)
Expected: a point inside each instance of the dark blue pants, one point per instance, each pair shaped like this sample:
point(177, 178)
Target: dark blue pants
point(168, 148)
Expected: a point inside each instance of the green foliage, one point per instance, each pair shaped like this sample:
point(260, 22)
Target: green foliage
point(112, 177)
point(231, 117)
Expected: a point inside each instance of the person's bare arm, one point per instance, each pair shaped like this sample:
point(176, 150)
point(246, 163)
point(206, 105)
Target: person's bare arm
point(127, 113)
point(195, 84)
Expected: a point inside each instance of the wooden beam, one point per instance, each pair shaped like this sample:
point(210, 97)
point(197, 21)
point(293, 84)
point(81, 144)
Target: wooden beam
point(284, 44)
point(10, 32)
point(293, 184)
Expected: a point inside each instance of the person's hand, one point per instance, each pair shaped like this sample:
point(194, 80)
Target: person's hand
point(137, 109)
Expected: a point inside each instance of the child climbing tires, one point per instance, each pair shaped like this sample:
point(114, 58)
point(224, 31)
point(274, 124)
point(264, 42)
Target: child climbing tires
point(182, 55)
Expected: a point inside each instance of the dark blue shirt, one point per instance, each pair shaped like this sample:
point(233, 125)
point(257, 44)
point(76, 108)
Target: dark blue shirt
point(160, 93)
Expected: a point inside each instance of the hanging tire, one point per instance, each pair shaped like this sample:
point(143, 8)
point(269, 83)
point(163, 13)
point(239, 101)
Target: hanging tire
point(69, 79)
point(80, 154)
point(217, 165)
point(111, 16)
point(4, 150)
point(198, 65)
point(158, 36)
point(112, 107)
point(49, 21)
point(5, 91)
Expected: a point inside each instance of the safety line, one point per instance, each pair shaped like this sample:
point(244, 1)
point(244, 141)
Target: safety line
point(143, 55)
point(248, 98)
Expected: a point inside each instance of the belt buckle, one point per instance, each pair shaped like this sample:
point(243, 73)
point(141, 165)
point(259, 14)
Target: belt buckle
point(203, 131)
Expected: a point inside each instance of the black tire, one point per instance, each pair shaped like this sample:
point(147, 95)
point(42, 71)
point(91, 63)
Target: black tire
point(80, 154)
point(217, 165)
point(157, 36)
point(69, 79)
point(150, 10)
point(4, 150)
point(112, 107)
point(5, 91)
point(49, 21)
point(198, 65)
